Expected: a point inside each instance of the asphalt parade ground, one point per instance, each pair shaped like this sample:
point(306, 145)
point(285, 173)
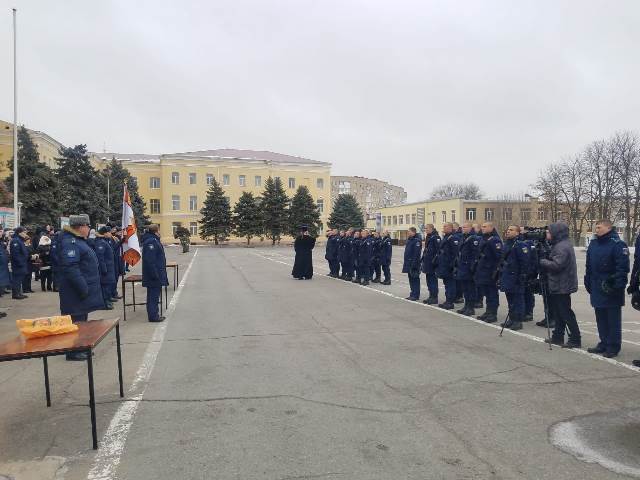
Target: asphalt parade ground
point(255, 375)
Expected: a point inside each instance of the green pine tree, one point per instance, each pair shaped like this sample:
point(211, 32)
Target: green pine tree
point(346, 213)
point(274, 209)
point(216, 215)
point(83, 189)
point(246, 218)
point(303, 211)
point(37, 185)
point(117, 176)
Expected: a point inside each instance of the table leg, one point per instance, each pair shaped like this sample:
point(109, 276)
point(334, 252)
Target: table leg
point(119, 360)
point(46, 380)
point(133, 291)
point(92, 399)
point(177, 277)
point(160, 301)
point(166, 297)
point(124, 300)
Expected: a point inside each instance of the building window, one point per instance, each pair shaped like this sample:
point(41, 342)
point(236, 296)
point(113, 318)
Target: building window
point(226, 180)
point(320, 204)
point(471, 213)
point(344, 187)
point(193, 228)
point(154, 205)
point(292, 182)
point(525, 213)
point(154, 182)
point(320, 183)
point(453, 215)
point(507, 214)
point(257, 181)
point(193, 203)
point(407, 219)
point(384, 220)
point(193, 179)
point(444, 216)
point(400, 219)
point(488, 214)
point(209, 178)
point(413, 218)
point(175, 202)
point(542, 214)
point(242, 180)
point(174, 227)
point(433, 217)
point(175, 178)
point(395, 220)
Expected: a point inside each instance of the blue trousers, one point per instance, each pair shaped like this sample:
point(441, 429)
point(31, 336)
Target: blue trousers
point(529, 301)
point(450, 292)
point(107, 291)
point(334, 267)
point(387, 272)
point(432, 284)
point(469, 291)
point(490, 292)
point(515, 300)
point(16, 283)
point(153, 300)
point(609, 322)
point(414, 284)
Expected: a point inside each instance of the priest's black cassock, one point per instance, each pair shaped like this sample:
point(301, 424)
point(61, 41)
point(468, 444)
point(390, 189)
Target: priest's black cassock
point(303, 265)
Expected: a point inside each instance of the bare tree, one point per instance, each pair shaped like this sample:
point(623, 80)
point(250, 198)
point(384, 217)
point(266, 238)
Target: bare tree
point(600, 159)
point(627, 154)
point(468, 191)
point(549, 189)
point(574, 183)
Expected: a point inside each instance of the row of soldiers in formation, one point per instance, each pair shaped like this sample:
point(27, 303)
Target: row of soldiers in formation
point(472, 261)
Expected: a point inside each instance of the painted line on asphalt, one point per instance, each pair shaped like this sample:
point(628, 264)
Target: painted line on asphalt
point(471, 319)
point(113, 442)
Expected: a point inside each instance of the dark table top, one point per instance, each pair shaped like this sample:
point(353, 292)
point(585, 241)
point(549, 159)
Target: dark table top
point(89, 335)
point(172, 264)
point(133, 278)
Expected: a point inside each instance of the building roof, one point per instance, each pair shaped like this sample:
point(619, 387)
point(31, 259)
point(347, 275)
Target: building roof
point(128, 157)
point(234, 154)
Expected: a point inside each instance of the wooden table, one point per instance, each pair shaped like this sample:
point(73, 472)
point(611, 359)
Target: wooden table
point(89, 335)
point(176, 273)
point(133, 279)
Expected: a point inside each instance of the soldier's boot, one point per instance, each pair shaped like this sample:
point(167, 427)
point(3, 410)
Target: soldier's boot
point(431, 301)
point(447, 306)
point(463, 309)
point(528, 317)
point(356, 280)
point(483, 316)
point(490, 316)
point(375, 280)
point(515, 322)
point(459, 300)
point(543, 323)
point(478, 304)
point(469, 312)
point(387, 281)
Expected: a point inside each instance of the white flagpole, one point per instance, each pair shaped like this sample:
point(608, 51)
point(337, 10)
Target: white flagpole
point(16, 212)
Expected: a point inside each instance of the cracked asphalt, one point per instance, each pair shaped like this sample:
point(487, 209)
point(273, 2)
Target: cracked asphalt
point(260, 376)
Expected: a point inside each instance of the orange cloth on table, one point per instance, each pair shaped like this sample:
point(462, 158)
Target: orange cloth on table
point(45, 326)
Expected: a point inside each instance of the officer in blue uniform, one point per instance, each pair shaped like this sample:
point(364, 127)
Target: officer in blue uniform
point(355, 254)
point(5, 276)
point(154, 271)
point(376, 267)
point(429, 258)
point(79, 278)
point(529, 297)
point(118, 262)
point(55, 266)
point(332, 254)
point(465, 264)
point(514, 271)
point(386, 251)
point(19, 262)
point(446, 261)
point(634, 282)
point(365, 256)
point(346, 261)
point(605, 280)
point(457, 230)
point(104, 252)
point(411, 263)
point(490, 251)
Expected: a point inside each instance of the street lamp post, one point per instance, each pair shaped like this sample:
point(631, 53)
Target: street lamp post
point(19, 214)
point(16, 204)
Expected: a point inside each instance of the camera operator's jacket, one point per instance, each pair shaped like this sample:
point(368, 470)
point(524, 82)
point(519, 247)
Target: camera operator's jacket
point(560, 266)
point(515, 266)
point(489, 254)
point(607, 261)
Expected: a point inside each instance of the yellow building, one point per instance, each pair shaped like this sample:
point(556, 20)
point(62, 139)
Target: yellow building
point(47, 147)
point(398, 219)
point(174, 186)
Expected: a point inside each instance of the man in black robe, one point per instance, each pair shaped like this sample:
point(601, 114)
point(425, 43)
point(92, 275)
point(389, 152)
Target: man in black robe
point(303, 265)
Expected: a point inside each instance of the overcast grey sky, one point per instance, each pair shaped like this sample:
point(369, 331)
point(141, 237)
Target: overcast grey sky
point(413, 92)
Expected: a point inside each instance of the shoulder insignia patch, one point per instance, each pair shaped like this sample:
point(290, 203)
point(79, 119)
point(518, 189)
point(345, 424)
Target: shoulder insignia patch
point(150, 247)
point(475, 242)
point(498, 246)
point(533, 247)
point(525, 249)
point(625, 251)
point(455, 242)
point(71, 253)
point(438, 239)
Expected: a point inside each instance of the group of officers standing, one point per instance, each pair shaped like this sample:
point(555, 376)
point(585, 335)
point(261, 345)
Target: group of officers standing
point(475, 264)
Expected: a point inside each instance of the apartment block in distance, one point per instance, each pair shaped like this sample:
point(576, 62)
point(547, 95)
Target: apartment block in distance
point(48, 147)
point(174, 186)
point(370, 193)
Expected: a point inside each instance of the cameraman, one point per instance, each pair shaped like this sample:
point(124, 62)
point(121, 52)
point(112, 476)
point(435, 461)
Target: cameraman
point(559, 264)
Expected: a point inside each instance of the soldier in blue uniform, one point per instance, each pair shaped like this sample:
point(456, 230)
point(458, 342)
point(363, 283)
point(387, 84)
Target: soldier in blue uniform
point(365, 256)
point(118, 262)
point(489, 256)
point(429, 258)
point(332, 254)
point(19, 262)
point(446, 261)
point(355, 249)
point(376, 271)
point(154, 271)
point(457, 230)
point(411, 263)
point(605, 280)
point(514, 270)
point(634, 281)
point(529, 297)
point(465, 264)
point(104, 252)
point(5, 276)
point(386, 251)
point(346, 261)
point(79, 281)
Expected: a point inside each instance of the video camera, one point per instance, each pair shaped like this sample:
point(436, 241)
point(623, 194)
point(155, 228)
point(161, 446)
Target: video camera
point(536, 234)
